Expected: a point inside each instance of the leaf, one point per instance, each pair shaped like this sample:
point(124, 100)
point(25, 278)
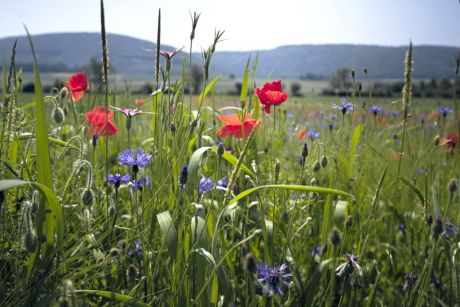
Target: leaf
point(27, 135)
point(244, 85)
point(122, 298)
point(289, 187)
point(169, 232)
point(206, 91)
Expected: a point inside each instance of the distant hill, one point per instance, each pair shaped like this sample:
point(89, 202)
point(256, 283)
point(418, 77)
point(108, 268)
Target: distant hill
point(67, 52)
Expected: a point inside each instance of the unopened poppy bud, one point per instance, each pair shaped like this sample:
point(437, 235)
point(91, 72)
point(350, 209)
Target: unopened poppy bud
point(360, 87)
point(313, 181)
point(365, 71)
point(349, 221)
point(194, 123)
point(250, 263)
point(305, 151)
point(254, 166)
point(334, 236)
point(353, 73)
point(220, 149)
point(94, 141)
point(437, 138)
point(58, 115)
point(29, 237)
point(87, 197)
point(132, 271)
point(183, 176)
point(316, 166)
point(437, 227)
point(453, 185)
point(324, 161)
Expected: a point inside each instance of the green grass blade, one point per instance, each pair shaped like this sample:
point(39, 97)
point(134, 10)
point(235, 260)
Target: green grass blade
point(303, 188)
point(206, 91)
point(354, 143)
point(245, 84)
point(122, 298)
point(169, 232)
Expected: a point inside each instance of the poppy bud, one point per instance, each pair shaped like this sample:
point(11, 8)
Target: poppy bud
point(29, 238)
point(437, 138)
point(58, 115)
point(254, 166)
point(437, 227)
point(220, 149)
point(250, 263)
point(429, 219)
point(353, 74)
point(173, 128)
point(334, 236)
point(183, 176)
point(132, 271)
point(313, 181)
point(63, 93)
point(349, 221)
point(324, 161)
point(194, 123)
point(365, 71)
point(305, 151)
point(87, 198)
point(94, 141)
point(316, 166)
point(453, 185)
point(114, 252)
point(360, 87)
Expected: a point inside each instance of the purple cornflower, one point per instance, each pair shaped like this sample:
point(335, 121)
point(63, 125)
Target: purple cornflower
point(312, 134)
point(409, 281)
point(117, 179)
point(222, 183)
point(450, 229)
point(206, 185)
point(348, 266)
point(443, 111)
point(344, 106)
point(135, 250)
point(375, 109)
point(271, 279)
point(141, 159)
point(141, 183)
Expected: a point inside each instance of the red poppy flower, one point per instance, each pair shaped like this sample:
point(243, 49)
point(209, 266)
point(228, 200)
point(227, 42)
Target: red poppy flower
point(234, 126)
point(101, 122)
point(271, 94)
point(450, 142)
point(77, 84)
point(302, 134)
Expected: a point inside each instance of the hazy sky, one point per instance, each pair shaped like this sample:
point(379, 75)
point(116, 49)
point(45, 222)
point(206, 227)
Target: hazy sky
point(248, 24)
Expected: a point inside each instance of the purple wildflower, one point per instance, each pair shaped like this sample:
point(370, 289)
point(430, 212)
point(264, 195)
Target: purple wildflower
point(222, 183)
point(450, 229)
point(344, 106)
point(312, 134)
point(443, 111)
point(272, 278)
point(118, 179)
point(141, 183)
point(141, 159)
point(206, 185)
point(375, 109)
point(183, 176)
point(348, 266)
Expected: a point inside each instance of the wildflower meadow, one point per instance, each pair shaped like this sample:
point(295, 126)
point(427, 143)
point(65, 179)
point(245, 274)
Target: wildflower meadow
point(174, 199)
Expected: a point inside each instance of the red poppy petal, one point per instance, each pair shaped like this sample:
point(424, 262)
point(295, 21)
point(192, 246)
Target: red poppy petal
point(77, 95)
point(233, 119)
point(77, 82)
point(275, 97)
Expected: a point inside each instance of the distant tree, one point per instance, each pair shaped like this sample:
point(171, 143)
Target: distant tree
point(238, 86)
point(341, 79)
point(197, 78)
point(295, 89)
point(94, 69)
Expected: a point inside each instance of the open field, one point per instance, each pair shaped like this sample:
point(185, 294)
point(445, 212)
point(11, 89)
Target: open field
point(114, 198)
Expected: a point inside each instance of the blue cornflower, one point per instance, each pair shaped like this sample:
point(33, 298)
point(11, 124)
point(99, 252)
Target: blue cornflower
point(271, 279)
point(443, 111)
point(450, 229)
point(206, 185)
point(141, 183)
point(344, 106)
point(312, 134)
point(375, 109)
point(395, 113)
point(117, 179)
point(135, 250)
point(222, 183)
point(141, 159)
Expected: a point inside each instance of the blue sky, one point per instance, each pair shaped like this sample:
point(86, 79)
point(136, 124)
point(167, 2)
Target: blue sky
point(248, 24)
